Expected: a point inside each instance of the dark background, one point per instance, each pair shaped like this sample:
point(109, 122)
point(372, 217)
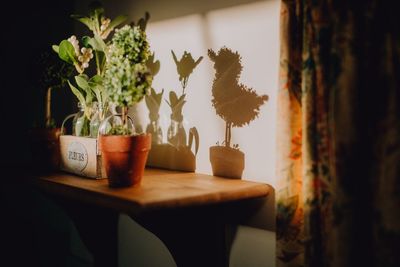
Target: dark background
point(28, 29)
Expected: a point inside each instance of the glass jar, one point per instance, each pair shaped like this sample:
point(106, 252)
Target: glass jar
point(81, 122)
point(96, 119)
point(176, 133)
point(113, 122)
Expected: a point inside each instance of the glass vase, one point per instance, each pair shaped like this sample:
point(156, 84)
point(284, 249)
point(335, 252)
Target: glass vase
point(81, 122)
point(96, 119)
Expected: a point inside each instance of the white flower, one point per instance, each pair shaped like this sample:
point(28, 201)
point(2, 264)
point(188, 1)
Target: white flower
point(75, 44)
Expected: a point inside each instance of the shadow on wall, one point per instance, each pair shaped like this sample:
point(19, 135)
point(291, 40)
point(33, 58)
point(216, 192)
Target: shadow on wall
point(237, 105)
point(177, 153)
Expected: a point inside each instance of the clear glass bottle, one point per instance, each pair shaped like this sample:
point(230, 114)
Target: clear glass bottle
point(81, 122)
point(176, 133)
point(115, 121)
point(95, 121)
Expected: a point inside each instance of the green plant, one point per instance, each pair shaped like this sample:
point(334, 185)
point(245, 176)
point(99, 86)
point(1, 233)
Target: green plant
point(127, 79)
point(55, 75)
point(89, 89)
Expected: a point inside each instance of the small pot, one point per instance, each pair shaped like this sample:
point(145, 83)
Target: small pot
point(227, 162)
point(45, 148)
point(124, 158)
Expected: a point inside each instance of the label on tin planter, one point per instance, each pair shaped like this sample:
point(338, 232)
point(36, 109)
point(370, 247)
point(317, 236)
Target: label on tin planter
point(77, 156)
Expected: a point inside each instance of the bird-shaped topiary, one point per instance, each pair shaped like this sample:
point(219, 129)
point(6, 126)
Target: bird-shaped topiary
point(236, 104)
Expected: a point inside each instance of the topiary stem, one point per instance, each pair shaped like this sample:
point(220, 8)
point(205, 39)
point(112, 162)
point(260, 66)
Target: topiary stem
point(48, 108)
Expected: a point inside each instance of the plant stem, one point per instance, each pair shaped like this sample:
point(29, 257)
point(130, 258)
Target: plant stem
point(97, 62)
point(124, 112)
point(48, 108)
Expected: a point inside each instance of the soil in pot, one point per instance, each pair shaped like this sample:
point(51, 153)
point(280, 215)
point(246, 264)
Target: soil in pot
point(124, 158)
point(45, 148)
point(227, 162)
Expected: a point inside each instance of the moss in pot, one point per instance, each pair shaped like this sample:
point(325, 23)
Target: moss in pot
point(127, 81)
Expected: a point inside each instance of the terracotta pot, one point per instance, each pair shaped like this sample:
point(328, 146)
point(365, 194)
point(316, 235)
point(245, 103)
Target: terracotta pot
point(227, 162)
point(124, 158)
point(45, 148)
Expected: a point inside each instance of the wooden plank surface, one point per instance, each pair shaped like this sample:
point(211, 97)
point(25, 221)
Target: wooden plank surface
point(160, 189)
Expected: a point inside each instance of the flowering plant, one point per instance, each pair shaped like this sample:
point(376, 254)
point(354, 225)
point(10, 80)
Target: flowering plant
point(89, 89)
point(127, 79)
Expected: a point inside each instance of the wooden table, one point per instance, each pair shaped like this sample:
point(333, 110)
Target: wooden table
point(189, 212)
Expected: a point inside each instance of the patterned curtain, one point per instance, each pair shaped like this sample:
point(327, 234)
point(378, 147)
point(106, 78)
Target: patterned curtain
point(338, 190)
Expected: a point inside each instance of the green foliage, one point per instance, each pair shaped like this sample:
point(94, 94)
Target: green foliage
point(66, 52)
point(98, 23)
point(126, 78)
point(125, 83)
point(131, 43)
point(53, 72)
point(88, 89)
point(119, 130)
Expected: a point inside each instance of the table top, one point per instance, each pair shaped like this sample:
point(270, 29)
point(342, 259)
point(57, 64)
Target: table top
point(160, 189)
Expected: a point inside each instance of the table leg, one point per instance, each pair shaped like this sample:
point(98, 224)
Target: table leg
point(98, 229)
point(194, 237)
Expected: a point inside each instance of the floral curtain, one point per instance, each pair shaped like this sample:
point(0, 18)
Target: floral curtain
point(338, 190)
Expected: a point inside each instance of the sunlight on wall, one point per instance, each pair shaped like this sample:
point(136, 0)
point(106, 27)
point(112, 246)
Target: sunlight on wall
point(252, 30)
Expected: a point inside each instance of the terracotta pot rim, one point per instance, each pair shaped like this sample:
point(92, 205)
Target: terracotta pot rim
point(124, 135)
point(124, 143)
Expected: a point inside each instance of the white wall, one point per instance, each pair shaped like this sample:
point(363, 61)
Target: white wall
point(251, 28)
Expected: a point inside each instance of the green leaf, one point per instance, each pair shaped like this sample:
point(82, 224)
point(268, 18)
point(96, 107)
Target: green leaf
point(96, 79)
point(85, 20)
point(86, 41)
point(55, 48)
point(96, 84)
point(66, 52)
point(97, 89)
point(78, 94)
point(82, 82)
point(97, 43)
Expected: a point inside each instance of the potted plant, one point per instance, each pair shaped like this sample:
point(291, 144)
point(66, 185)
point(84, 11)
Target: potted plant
point(126, 81)
point(93, 100)
point(237, 105)
point(44, 139)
